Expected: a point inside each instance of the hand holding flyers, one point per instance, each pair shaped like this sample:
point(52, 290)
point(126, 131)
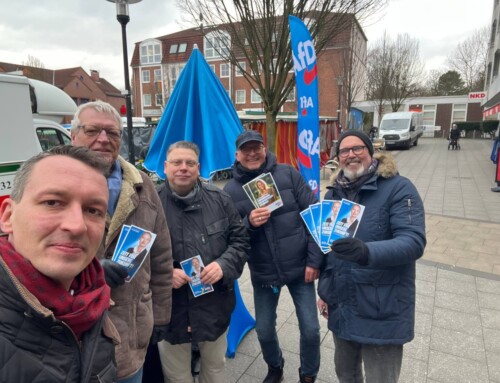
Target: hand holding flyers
point(331, 220)
point(193, 268)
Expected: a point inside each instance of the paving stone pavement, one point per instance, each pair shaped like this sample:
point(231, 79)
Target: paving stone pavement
point(457, 328)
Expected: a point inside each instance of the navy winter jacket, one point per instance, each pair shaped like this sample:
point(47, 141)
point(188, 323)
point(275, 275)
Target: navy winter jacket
point(375, 304)
point(282, 248)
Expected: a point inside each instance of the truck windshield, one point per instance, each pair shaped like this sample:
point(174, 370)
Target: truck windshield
point(398, 124)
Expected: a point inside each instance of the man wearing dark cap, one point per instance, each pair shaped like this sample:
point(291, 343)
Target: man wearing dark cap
point(367, 287)
point(282, 254)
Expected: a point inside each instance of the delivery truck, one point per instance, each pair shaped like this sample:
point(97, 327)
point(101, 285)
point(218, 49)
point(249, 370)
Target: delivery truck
point(401, 129)
point(30, 112)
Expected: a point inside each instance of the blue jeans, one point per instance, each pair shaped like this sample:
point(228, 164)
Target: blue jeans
point(304, 298)
point(136, 378)
point(382, 364)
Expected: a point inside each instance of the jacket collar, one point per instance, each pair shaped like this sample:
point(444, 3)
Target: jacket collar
point(387, 168)
point(131, 182)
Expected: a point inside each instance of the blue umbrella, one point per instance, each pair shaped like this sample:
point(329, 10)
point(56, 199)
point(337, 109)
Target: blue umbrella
point(199, 111)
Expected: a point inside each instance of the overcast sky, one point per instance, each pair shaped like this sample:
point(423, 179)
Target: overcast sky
point(72, 33)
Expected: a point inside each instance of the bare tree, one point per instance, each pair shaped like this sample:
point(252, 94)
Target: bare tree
point(257, 32)
point(431, 83)
point(406, 70)
point(353, 72)
point(395, 70)
point(34, 68)
point(470, 58)
point(378, 72)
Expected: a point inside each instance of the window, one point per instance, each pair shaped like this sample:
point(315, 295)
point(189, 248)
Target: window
point(146, 100)
point(459, 112)
point(173, 48)
point(255, 97)
point(158, 99)
point(150, 52)
point(174, 70)
point(224, 70)
point(182, 47)
point(429, 114)
point(146, 75)
point(50, 137)
point(259, 67)
point(212, 66)
point(157, 75)
point(216, 44)
point(243, 66)
point(291, 96)
point(241, 96)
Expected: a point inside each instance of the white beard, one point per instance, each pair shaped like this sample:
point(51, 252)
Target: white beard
point(353, 176)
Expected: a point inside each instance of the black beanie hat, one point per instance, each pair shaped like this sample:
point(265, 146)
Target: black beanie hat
point(358, 133)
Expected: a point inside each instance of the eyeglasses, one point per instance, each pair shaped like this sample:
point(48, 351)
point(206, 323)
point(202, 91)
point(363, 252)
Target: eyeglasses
point(250, 149)
point(344, 152)
point(189, 163)
point(94, 131)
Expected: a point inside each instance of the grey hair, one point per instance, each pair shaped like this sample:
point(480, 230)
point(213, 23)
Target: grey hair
point(98, 106)
point(79, 153)
point(184, 145)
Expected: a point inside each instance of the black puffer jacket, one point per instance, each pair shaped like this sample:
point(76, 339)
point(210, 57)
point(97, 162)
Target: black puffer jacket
point(210, 227)
point(282, 248)
point(36, 347)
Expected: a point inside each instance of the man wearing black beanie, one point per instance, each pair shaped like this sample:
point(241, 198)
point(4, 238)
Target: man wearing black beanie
point(376, 317)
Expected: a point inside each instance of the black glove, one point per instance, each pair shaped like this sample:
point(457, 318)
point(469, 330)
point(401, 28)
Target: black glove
point(159, 333)
point(351, 249)
point(114, 273)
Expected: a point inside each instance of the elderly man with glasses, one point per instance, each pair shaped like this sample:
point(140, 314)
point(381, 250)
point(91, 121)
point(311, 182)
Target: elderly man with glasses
point(142, 306)
point(367, 288)
point(282, 254)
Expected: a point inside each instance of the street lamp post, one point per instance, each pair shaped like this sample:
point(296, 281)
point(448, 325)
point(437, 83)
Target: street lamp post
point(340, 83)
point(123, 18)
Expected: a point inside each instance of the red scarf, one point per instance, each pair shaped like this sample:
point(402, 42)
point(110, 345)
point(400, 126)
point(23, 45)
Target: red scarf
point(80, 311)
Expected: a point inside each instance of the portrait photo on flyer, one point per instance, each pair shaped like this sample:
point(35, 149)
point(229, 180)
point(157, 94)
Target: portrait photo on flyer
point(348, 219)
point(193, 268)
point(134, 249)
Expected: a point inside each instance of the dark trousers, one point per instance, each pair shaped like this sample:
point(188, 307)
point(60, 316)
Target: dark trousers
point(382, 364)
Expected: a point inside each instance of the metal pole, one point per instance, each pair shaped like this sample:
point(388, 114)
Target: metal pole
point(123, 20)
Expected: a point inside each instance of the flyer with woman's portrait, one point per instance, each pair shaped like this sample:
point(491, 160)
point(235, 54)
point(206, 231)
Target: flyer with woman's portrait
point(193, 268)
point(263, 192)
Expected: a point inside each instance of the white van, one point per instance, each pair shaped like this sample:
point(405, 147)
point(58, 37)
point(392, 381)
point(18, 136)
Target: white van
point(401, 129)
point(30, 113)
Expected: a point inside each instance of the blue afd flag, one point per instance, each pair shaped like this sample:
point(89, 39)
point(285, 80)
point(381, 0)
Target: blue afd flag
point(199, 110)
point(306, 79)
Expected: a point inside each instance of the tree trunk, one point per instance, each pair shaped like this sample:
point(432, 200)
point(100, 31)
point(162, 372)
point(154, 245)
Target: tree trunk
point(271, 131)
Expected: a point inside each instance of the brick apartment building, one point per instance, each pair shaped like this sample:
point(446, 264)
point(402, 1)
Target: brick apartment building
point(157, 63)
point(79, 85)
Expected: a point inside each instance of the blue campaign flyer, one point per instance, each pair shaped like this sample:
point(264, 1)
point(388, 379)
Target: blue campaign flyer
point(316, 215)
point(193, 268)
point(326, 224)
point(308, 220)
point(133, 249)
point(348, 220)
point(121, 238)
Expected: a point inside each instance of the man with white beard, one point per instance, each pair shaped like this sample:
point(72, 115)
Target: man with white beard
point(367, 287)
